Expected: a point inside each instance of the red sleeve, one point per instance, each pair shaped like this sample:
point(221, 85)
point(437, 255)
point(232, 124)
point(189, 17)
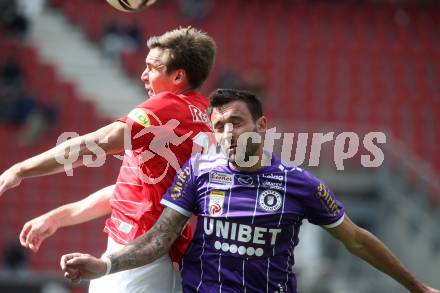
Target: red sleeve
point(155, 111)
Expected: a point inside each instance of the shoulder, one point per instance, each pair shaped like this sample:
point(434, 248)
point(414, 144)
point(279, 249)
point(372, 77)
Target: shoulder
point(292, 172)
point(193, 105)
point(159, 101)
point(160, 108)
point(303, 179)
point(205, 163)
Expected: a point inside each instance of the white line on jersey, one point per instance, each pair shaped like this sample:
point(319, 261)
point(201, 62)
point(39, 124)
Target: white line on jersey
point(256, 198)
point(243, 275)
point(203, 236)
point(290, 255)
point(229, 195)
point(284, 197)
point(267, 275)
point(201, 264)
point(219, 271)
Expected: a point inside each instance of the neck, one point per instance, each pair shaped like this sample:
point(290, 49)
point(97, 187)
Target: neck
point(255, 167)
point(182, 91)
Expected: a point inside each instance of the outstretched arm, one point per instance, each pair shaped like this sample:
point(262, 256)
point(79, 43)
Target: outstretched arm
point(144, 250)
point(94, 206)
point(110, 139)
point(365, 245)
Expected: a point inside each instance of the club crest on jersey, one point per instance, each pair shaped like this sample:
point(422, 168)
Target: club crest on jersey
point(138, 115)
point(220, 178)
point(216, 200)
point(245, 180)
point(270, 200)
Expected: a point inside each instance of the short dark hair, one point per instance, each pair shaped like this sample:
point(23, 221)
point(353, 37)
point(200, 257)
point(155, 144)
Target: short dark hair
point(221, 97)
point(189, 49)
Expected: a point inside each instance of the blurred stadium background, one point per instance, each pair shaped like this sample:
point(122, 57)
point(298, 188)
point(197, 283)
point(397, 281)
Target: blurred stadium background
point(321, 66)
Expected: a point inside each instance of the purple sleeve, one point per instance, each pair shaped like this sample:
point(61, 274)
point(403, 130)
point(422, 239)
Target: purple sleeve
point(322, 206)
point(181, 195)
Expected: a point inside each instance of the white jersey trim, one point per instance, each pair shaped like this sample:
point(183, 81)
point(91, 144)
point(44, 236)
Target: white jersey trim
point(176, 208)
point(284, 199)
point(267, 275)
point(203, 235)
point(292, 246)
point(335, 224)
point(219, 270)
point(243, 281)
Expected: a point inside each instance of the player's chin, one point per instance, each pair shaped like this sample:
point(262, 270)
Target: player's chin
point(228, 155)
point(149, 90)
point(231, 152)
point(232, 157)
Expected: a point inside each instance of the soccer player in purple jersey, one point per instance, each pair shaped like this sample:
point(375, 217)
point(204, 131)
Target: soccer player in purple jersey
point(249, 215)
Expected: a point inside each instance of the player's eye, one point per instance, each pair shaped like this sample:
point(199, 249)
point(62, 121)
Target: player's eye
point(236, 122)
point(150, 67)
point(219, 127)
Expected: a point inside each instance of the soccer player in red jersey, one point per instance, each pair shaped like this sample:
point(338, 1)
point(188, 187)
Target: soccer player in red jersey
point(163, 132)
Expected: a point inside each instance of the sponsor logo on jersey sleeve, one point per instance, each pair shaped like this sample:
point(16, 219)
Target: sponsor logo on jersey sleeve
point(140, 116)
point(216, 200)
point(221, 178)
point(182, 177)
point(325, 197)
point(270, 200)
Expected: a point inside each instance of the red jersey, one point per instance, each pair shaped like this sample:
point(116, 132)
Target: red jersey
point(165, 130)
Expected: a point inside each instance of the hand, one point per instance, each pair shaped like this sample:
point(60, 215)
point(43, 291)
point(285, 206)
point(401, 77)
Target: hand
point(77, 266)
point(36, 230)
point(9, 179)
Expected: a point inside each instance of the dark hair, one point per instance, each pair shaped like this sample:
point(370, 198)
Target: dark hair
point(221, 97)
point(189, 49)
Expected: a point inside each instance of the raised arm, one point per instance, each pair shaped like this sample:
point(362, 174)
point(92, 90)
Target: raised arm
point(144, 250)
point(38, 229)
point(365, 245)
point(109, 139)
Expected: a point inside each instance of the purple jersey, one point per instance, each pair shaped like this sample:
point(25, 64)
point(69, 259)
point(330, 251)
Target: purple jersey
point(248, 223)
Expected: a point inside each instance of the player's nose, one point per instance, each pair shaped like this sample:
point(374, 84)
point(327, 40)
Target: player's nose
point(228, 129)
point(144, 75)
point(228, 136)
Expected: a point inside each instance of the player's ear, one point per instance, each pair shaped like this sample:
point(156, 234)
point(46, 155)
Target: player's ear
point(261, 124)
point(179, 76)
